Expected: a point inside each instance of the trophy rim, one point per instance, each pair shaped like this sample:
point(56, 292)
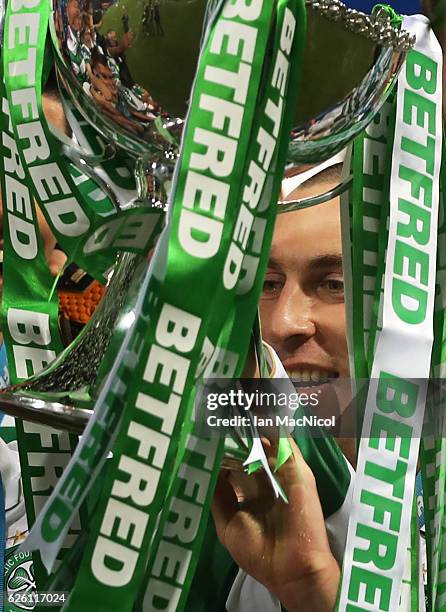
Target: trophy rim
point(335, 128)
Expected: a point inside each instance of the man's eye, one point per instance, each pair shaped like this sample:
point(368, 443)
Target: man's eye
point(271, 287)
point(333, 285)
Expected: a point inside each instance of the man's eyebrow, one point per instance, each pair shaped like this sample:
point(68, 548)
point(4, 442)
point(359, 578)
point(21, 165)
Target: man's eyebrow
point(328, 260)
point(272, 263)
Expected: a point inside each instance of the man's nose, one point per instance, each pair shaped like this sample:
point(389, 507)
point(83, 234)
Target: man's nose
point(293, 316)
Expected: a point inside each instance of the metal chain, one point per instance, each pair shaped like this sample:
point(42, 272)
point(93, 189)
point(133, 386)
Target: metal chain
point(377, 26)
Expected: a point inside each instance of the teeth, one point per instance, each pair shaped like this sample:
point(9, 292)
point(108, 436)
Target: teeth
point(317, 376)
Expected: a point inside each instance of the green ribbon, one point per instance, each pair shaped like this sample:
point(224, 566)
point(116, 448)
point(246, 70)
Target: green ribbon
point(67, 211)
point(29, 316)
point(395, 18)
point(433, 441)
point(393, 332)
point(200, 242)
point(248, 290)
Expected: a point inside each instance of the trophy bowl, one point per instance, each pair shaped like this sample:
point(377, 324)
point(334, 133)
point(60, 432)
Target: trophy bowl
point(128, 67)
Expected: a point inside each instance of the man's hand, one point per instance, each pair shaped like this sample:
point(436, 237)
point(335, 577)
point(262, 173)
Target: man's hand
point(283, 546)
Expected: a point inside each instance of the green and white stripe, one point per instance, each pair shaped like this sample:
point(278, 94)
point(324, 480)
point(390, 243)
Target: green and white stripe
point(379, 527)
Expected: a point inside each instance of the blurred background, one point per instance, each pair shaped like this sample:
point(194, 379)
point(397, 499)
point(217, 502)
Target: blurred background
point(406, 7)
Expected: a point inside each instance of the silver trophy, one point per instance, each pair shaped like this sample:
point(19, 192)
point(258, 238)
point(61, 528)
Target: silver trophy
point(127, 71)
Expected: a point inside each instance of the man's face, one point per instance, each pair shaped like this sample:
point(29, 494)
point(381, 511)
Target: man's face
point(74, 15)
point(103, 72)
point(112, 37)
point(302, 305)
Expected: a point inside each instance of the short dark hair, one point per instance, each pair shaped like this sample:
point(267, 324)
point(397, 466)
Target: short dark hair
point(320, 181)
point(97, 16)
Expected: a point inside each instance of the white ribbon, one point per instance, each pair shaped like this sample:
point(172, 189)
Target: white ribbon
point(403, 350)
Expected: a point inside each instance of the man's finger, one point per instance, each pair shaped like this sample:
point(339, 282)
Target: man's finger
point(299, 484)
point(224, 504)
point(294, 470)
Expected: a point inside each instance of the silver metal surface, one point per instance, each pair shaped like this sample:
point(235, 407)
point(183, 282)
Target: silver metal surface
point(76, 369)
point(330, 131)
point(44, 412)
point(377, 26)
point(130, 74)
point(292, 205)
point(58, 395)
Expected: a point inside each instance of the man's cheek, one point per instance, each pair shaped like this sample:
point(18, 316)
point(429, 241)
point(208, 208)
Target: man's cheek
point(338, 322)
point(336, 327)
point(266, 309)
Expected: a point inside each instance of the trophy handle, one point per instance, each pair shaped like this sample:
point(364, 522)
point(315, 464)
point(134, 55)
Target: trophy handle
point(77, 155)
point(44, 412)
point(152, 171)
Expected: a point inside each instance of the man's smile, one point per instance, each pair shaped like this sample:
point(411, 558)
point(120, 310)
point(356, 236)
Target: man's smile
point(310, 373)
